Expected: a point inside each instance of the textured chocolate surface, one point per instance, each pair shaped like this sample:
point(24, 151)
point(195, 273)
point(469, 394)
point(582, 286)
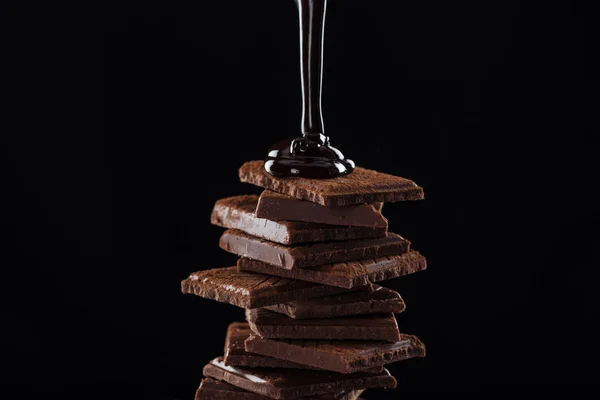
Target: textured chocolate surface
point(344, 356)
point(269, 324)
point(307, 255)
point(237, 356)
point(211, 389)
point(380, 300)
point(238, 213)
point(361, 186)
point(251, 290)
point(293, 383)
point(276, 207)
point(345, 274)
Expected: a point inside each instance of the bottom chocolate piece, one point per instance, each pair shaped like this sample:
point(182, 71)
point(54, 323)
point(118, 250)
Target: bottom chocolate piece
point(237, 356)
point(293, 383)
point(269, 324)
point(211, 389)
point(344, 356)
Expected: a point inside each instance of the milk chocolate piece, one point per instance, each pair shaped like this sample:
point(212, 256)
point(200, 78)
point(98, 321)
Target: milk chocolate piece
point(211, 389)
point(268, 324)
point(347, 275)
point(276, 206)
point(237, 356)
point(293, 383)
point(361, 186)
point(343, 356)
point(307, 255)
point(250, 290)
point(380, 300)
point(238, 213)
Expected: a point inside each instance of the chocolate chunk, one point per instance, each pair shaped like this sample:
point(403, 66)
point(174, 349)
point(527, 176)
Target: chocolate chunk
point(347, 275)
point(238, 213)
point(276, 206)
point(344, 356)
point(269, 324)
point(250, 290)
point(361, 186)
point(237, 356)
point(307, 255)
point(380, 300)
point(293, 383)
point(211, 389)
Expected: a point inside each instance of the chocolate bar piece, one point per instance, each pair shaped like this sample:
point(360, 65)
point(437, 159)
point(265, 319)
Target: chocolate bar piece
point(344, 356)
point(307, 255)
point(380, 300)
point(238, 213)
point(211, 389)
point(292, 383)
point(237, 356)
point(276, 206)
point(250, 290)
point(347, 275)
point(268, 324)
point(361, 186)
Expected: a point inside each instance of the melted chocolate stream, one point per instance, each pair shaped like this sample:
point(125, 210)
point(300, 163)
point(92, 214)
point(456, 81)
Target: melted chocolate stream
point(311, 155)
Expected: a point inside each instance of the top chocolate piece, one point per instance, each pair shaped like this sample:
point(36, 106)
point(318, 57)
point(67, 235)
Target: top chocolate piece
point(361, 186)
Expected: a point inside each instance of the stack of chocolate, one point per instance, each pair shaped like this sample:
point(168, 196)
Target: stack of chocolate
point(311, 251)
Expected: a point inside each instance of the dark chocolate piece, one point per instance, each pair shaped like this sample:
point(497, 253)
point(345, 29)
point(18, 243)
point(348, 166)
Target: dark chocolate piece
point(271, 325)
point(344, 356)
point(238, 213)
point(237, 356)
point(307, 255)
point(348, 274)
point(293, 383)
point(380, 300)
point(211, 389)
point(276, 207)
point(361, 186)
point(250, 290)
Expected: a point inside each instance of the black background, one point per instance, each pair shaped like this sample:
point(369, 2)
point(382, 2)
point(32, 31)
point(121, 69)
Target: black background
point(123, 124)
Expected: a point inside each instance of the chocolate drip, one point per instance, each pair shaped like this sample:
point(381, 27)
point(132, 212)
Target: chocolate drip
point(311, 155)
